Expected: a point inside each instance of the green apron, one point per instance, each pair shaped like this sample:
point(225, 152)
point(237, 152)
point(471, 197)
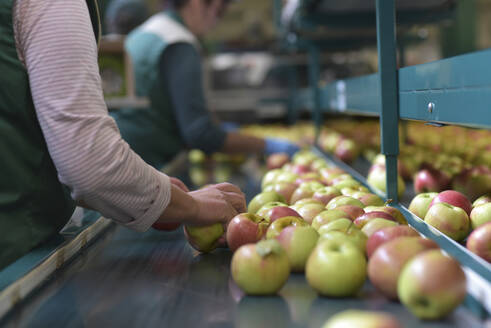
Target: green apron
point(34, 205)
point(153, 132)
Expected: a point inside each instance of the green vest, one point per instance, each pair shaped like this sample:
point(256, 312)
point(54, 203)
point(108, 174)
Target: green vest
point(34, 205)
point(153, 132)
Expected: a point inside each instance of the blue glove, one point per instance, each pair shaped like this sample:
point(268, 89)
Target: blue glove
point(230, 126)
point(280, 146)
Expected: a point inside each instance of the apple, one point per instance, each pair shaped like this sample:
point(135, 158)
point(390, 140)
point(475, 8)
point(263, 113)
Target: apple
point(347, 150)
point(450, 220)
point(318, 164)
point(301, 193)
point(432, 285)
point(430, 180)
point(396, 214)
point(263, 198)
point(204, 238)
point(266, 207)
point(482, 200)
point(474, 181)
point(298, 242)
point(377, 179)
point(285, 189)
point(342, 224)
point(336, 268)
point(309, 211)
point(387, 234)
point(328, 174)
point(280, 212)
point(275, 228)
point(348, 183)
point(350, 233)
point(304, 157)
point(286, 176)
point(376, 224)
point(270, 177)
point(327, 216)
point(325, 194)
point(387, 262)
point(368, 199)
point(308, 177)
point(245, 228)
point(480, 215)
point(365, 218)
point(166, 226)
point(343, 200)
point(479, 241)
point(260, 269)
point(365, 319)
point(454, 198)
point(340, 178)
point(421, 203)
point(277, 160)
point(352, 211)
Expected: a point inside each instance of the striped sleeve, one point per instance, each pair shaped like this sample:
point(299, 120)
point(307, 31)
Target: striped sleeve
point(57, 44)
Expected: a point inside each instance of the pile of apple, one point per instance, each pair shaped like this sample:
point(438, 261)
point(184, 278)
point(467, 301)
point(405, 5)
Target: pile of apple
point(314, 218)
point(452, 213)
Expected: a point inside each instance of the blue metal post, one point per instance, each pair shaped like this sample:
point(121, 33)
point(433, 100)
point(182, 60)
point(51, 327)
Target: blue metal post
point(389, 118)
point(314, 69)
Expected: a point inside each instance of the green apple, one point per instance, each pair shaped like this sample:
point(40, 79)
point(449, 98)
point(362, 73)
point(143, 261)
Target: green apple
point(480, 215)
point(387, 261)
point(260, 269)
point(285, 189)
point(336, 268)
point(325, 194)
point(377, 179)
point(352, 233)
point(204, 238)
point(421, 203)
point(342, 224)
point(263, 198)
point(343, 200)
point(482, 200)
point(304, 201)
point(275, 228)
point(362, 319)
point(301, 193)
point(450, 220)
point(376, 224)
point(368, 199)
point(298, 242)
point(431, 285)
point(390, 210)
point(327, 216)
point(270, 177)
point(348, 183)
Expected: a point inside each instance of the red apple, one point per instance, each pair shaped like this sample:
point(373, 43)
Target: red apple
point(245, 228)
point(300, 169)
point(430, 180)
point(260, 269)
point(365, 218)
point(347, 150)
point(394, 212)
point(387, 262)
point(479, 241)
point(431, 285)
point(285, 189)
point(387, 234)
point(368, 199)
point(280, 212)
point(277, 160)
point(454, 198)
point(450, 220)
point(352, 211)
point(376, 224)
point(473, 182)
point(326, 194)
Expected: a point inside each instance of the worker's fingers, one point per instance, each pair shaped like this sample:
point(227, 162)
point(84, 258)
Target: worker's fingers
point(236, 200)
point(228, 187)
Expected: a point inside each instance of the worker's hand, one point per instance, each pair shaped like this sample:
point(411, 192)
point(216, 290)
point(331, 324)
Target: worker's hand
point(273, 145)
point(178, 183)
point(218, 203)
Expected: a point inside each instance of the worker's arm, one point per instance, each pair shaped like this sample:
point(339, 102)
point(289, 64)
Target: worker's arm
point(57, 45)
point(180, 70)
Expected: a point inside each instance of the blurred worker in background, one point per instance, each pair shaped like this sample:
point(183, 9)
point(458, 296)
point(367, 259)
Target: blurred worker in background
point(59, 147)
point(165, 54)
point(122, 16)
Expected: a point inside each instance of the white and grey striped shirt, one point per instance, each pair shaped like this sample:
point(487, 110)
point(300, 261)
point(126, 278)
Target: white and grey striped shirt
point(56, 43)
